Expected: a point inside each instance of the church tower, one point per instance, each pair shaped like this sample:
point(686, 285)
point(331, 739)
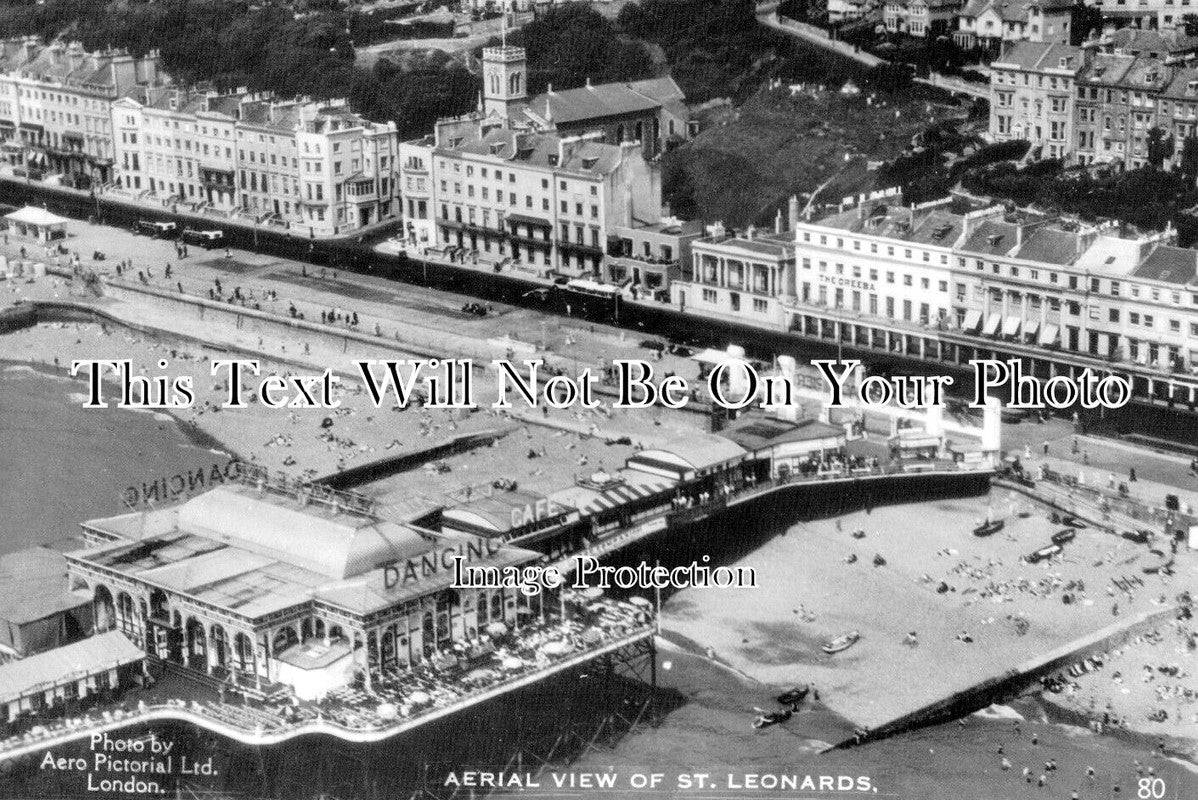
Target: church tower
point(505, 80)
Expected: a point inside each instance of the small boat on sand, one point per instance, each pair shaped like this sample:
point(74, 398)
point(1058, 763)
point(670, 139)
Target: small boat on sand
point(842, 642)
point(768, 718)
point(988, 526)
point(794, 696)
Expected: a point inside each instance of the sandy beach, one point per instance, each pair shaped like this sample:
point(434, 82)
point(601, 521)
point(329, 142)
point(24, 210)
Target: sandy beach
point(939, 582)
point(294, 441)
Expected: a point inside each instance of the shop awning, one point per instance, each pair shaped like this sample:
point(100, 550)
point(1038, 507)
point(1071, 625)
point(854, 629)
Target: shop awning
point(1030, 328)
point(973, 321)
point(528, 220)
point(622, 495)
point(592, 287)
point(992, 325)
point(1010, 326)
point(1050, 335)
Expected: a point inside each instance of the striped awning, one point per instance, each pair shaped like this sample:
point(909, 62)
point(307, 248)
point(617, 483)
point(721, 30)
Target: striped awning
point(622, 495)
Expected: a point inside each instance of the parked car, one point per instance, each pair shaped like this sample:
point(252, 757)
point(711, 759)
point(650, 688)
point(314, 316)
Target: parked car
point(156, 230)
point(1139, 537)
point(204, 239)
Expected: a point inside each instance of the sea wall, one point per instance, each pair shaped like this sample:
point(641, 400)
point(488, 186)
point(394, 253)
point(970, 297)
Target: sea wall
point(15, 318)
point(1016, 680)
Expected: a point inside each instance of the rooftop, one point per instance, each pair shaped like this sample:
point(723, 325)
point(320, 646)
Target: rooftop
point(1031, 56)
point(95, 654)
point(779, 246)
point(1051, 245)
point(1171, 264)
point(755, 433)
point(257, 552)
point(931, 226)
point(547, 150)
point(33, 586)
point(604, 100)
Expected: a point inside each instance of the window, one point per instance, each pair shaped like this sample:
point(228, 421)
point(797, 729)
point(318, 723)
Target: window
point(709, 295)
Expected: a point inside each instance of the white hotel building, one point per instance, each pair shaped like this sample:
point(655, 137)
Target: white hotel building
point(540, 201)
point(946, 284)
point(314, 168)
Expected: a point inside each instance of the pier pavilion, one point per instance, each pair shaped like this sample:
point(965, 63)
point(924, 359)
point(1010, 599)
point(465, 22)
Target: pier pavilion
point(270, 581)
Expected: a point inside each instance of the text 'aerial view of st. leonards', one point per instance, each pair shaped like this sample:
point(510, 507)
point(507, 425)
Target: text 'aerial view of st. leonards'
point(598, 399)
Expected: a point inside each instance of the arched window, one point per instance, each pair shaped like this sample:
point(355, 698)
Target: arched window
point(105, 609)
point(494, 83)
point(283, 639)
point(482, 608)
point(514, 83)
point(243, 652)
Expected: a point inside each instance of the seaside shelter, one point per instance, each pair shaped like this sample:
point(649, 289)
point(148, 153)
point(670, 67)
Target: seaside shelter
point(786, 445)
point(36, 223)
point(74, 671)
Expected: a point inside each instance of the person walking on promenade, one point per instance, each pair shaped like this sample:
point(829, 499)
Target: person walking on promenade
point(1045, 447)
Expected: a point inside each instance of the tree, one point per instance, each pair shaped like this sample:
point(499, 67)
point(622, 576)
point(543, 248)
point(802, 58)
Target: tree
point(1189, 158)
point(1160, 147)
